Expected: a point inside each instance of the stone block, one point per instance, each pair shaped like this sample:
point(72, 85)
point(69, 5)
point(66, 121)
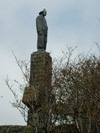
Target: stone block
point(29, 96)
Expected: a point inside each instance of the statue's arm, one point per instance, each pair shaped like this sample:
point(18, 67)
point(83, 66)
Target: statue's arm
point(39, 25)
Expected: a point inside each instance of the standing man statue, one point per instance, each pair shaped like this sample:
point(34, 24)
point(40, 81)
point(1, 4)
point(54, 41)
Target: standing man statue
point(42, 30)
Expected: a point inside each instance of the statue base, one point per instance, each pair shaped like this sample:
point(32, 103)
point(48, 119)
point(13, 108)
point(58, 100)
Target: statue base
point(37, 94)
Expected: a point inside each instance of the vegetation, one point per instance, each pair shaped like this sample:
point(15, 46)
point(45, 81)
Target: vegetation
point(75, 93)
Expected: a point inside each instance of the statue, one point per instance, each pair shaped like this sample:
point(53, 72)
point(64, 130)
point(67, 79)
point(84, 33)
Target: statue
point(42, 30)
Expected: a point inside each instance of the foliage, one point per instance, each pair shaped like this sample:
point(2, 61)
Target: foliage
point(75, 91)
point(77, 87)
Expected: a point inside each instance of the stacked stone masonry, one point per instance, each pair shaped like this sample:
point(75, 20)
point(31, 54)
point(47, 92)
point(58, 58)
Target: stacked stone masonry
point(40, 78)
point(37, 94)
point(28, 129)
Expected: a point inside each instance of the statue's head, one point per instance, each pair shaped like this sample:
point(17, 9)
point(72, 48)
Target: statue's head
point(43, 12)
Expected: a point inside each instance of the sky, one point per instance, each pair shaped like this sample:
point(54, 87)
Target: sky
point(70, 23)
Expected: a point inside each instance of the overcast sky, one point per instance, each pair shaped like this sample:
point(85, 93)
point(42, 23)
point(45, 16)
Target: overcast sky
point(70, 22)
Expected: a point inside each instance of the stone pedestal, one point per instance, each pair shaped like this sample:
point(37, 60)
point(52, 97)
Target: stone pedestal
point(37, 94)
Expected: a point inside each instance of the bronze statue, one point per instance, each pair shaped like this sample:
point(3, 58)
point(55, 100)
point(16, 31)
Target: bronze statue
point(42, 30)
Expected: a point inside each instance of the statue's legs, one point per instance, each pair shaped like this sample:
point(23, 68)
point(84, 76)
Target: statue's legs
point(41, 43)
point(45, 41)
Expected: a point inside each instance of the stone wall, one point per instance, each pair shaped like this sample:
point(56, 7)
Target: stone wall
point(12, 129)
point(16, 129)
point(28, 129)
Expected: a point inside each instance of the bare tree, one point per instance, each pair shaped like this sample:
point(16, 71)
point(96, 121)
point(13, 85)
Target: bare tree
point(77, 85)
point(41, 119)
point(74, 97)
